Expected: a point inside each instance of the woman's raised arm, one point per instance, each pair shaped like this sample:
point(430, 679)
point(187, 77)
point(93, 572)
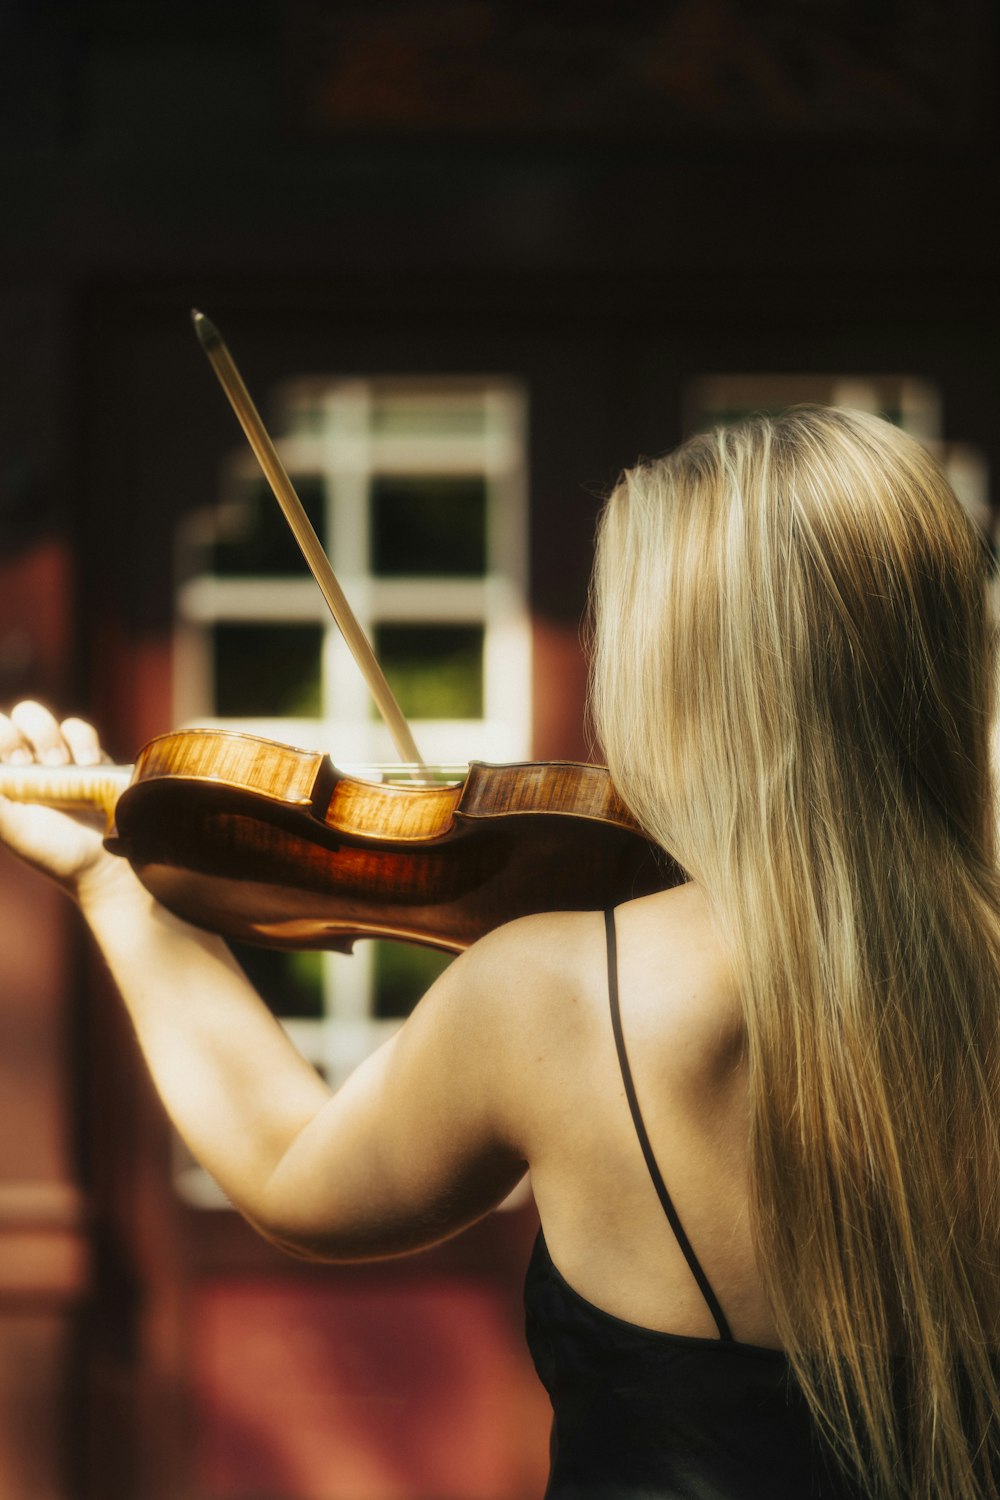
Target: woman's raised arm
point(416, 1145)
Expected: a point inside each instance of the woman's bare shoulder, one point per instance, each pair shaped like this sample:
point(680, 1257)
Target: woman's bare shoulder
point(541, 964)
point(526, 995)
point(535, 966)
point(539, 988)
point(679, 985)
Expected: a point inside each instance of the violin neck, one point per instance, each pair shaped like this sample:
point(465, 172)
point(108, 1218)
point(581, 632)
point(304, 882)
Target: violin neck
point(65, 787)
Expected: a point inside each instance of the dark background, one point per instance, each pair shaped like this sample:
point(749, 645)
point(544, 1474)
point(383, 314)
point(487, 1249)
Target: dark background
point(602, 198)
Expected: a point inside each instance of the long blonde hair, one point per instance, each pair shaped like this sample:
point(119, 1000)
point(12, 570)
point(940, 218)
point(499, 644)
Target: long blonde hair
point(793, 684)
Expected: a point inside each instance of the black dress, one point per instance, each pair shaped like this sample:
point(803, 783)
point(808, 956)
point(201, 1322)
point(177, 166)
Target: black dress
point(643, 1415)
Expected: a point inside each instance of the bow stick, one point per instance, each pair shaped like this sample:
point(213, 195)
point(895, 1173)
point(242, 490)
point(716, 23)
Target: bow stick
point(302, 529)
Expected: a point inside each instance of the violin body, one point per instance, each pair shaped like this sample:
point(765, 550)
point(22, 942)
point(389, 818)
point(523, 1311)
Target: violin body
point(271, 845)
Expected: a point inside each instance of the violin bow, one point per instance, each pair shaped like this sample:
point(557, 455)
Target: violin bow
point(302, 529)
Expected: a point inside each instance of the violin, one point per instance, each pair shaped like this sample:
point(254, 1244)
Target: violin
point(267, 844)
point(274, 846)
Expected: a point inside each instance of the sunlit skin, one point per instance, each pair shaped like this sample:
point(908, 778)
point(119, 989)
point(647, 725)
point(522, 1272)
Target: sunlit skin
point(507, 1063)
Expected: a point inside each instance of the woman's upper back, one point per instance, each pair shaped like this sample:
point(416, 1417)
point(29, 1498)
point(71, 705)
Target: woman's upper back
point(604, 1225)
point(653, 1393)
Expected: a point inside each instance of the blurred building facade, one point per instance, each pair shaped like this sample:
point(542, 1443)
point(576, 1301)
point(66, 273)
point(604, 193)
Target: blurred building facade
point(604, 224)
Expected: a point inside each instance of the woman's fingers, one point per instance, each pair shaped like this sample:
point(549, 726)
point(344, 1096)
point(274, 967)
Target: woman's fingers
point(14, 748)
point(41, 732)
point(84, 746)
point(66, 846)
point(30, 732)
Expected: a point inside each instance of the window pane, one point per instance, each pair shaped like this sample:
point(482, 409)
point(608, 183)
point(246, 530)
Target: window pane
point(291, 983)
point(402, 973)
point(435, 671)
point(265, 671)
point(254, 536)
point(306, 416)
point(428, 525)
point(427, 416)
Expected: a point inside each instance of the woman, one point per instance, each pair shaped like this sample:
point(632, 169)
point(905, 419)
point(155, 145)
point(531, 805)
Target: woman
point(760, 1110)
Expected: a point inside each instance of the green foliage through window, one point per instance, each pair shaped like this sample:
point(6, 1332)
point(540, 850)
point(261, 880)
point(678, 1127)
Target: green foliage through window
point(404, 972)
point(267, 671)
point(435, 671)
point(254, 537)
point(291, 983)
point(428, 526)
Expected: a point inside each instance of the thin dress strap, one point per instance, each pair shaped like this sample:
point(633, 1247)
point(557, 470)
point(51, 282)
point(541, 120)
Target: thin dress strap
point(647, 1150)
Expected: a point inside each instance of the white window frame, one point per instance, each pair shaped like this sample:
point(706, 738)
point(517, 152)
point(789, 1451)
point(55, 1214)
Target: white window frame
point(331, 430)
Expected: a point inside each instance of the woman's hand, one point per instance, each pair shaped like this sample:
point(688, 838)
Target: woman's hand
point(66, 846)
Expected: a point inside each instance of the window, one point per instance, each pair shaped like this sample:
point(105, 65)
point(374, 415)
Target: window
point(417, 490)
